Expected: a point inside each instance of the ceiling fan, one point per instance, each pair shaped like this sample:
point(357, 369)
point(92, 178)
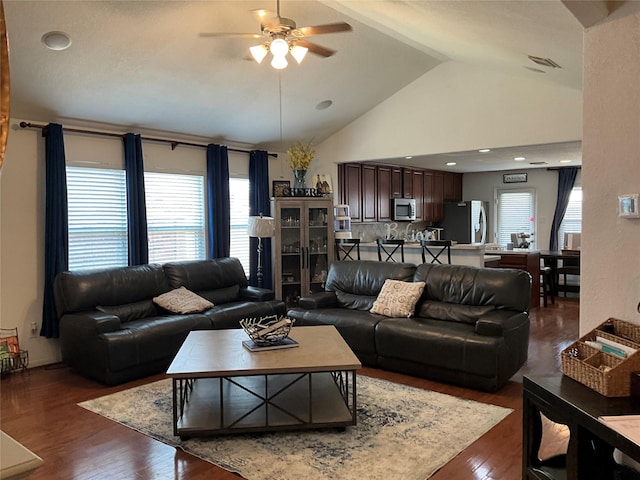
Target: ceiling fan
point(283, 36)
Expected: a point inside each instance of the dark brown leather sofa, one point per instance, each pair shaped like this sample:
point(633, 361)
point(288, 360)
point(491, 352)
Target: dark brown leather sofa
point(471, 325)
point(113, 332)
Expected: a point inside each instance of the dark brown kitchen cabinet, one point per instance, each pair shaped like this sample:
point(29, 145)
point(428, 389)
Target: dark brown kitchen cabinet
point(351, 189)
point(438, 196)
point(452, 186)
point(396, 182)
point(427, 199)
point(407, 183)
point(369, 193)
point(418, 193)
point(385, 188)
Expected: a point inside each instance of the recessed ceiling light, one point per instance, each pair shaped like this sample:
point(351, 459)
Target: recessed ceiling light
point(565, 161)
point(451, 164)
point(56, 40)
point(519, 159)
point(324, 105)
point(484, 150)
point(408, 158)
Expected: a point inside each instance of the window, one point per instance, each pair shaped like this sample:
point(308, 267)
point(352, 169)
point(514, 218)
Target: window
point(515, 213)
point(572, 221)
point(239, 200)
point(175, 217)
point(97, 218)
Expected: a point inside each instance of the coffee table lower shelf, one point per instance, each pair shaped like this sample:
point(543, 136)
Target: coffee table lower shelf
point(260, 403)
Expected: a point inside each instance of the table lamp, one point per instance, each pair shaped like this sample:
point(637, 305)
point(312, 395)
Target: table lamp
point(261, 227)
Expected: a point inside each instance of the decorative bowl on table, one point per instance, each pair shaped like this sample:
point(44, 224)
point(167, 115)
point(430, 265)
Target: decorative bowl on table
point(269, 330)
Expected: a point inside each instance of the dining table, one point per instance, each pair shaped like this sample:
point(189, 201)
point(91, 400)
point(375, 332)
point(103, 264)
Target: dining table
point(551, 258)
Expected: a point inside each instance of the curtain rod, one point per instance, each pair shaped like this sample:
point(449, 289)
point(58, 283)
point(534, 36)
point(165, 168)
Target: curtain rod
point(173, 143)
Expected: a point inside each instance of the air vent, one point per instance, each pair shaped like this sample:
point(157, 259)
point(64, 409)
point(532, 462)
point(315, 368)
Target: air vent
point(538, 163)
point(545, 62)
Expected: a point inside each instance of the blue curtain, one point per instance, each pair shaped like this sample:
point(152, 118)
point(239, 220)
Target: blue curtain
point(566, 180)
point(218, 213)
point(259, 203)
point(56, 243)
point(136, 204)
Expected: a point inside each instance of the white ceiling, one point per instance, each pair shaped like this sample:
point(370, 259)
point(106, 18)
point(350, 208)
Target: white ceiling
point(142, 65)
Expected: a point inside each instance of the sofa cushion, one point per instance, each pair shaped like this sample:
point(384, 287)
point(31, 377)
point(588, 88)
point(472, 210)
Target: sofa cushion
point(453, 312)
point(130, 311)
point(357, 284)
point(398, 299)
point(182, 300)
point(204, 275)
point(221, 295)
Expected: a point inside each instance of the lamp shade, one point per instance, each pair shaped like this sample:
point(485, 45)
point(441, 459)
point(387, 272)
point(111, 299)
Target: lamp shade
point(261, 227)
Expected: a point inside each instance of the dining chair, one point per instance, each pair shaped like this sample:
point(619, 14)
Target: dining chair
point(390, 249)
point(347, 247)
point(435, 248)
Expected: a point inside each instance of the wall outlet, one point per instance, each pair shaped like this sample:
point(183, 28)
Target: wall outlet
point(34, 329)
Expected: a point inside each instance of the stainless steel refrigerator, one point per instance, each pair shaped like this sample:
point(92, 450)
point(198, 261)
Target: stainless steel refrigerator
point(465, 222)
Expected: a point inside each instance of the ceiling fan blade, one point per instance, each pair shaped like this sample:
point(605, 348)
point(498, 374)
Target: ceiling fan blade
point(324, 29)
point(315, 48)
point(231, 34)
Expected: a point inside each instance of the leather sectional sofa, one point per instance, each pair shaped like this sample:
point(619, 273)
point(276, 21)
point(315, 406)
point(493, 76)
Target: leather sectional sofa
point(471, 325)
point(112, 331)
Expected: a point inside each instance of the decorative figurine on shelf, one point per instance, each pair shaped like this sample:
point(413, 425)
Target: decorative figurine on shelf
point(300, 157)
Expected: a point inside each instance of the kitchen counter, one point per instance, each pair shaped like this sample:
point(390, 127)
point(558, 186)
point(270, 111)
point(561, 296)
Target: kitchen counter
point(461, 253)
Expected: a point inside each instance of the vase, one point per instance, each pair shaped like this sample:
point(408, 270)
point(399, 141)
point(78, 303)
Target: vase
point(300, 179)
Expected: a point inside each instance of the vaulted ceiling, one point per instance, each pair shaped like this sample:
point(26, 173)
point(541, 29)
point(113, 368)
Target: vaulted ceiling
point(143, 65)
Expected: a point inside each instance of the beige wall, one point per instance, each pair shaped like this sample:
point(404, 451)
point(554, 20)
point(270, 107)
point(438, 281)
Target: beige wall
point(454, 108)
point(611, 166)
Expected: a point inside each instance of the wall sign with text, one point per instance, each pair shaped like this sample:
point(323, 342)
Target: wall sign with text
point(514, 178)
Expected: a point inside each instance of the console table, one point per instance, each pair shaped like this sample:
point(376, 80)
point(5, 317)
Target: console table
point(591, 442)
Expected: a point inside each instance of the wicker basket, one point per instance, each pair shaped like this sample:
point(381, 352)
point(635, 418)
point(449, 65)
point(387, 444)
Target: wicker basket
point(605, 373)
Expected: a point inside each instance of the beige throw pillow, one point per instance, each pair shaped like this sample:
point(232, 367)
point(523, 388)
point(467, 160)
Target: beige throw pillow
point(398, 299)
point(182, 300)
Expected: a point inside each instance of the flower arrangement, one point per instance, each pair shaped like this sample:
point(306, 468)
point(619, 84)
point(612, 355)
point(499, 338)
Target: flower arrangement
point(300, 155)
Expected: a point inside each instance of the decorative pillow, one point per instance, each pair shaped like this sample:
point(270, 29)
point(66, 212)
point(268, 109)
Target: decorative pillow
point(182, 300)
point(397, 298)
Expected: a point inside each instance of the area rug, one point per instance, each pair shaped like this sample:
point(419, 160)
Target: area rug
point(402, 432)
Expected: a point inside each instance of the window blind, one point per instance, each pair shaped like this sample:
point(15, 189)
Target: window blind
point(516, 213)
point(572, 221)
point(175, 217)
point(97, 218)
point(239, 219)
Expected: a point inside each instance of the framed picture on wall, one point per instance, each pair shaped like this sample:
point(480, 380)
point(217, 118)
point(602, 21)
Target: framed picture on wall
point(281, 188)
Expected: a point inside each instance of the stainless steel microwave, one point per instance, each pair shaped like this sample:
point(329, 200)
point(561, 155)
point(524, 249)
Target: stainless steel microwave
point(403, 209)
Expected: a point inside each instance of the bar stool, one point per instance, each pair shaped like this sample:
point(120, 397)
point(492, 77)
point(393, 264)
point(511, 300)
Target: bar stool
point(347, 247)
point(390, 248)
point(435, 248)
point(547, 284)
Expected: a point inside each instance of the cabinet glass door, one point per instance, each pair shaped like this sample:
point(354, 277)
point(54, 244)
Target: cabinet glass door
point(317, 263)
point(291, 254)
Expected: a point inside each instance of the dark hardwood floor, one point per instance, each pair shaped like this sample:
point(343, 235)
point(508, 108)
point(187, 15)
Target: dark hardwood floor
point(39, 410)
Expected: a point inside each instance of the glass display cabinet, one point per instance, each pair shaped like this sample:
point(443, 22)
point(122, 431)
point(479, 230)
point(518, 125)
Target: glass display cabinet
point(303, 247)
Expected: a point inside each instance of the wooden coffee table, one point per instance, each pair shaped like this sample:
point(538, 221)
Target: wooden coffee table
point(220, 387)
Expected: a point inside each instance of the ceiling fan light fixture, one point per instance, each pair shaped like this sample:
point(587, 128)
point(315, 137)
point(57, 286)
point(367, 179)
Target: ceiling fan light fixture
point(279, 47)
point(279, 62)
point(299, 53)
point(259, 52)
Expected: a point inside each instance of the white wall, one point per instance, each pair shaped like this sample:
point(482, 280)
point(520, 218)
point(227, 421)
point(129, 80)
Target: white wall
point(481, 186)
point(454, 108)
point(22, 216)
point(610, 280)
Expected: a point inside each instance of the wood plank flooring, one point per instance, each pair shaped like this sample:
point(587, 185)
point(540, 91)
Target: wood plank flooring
point(39, 410)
